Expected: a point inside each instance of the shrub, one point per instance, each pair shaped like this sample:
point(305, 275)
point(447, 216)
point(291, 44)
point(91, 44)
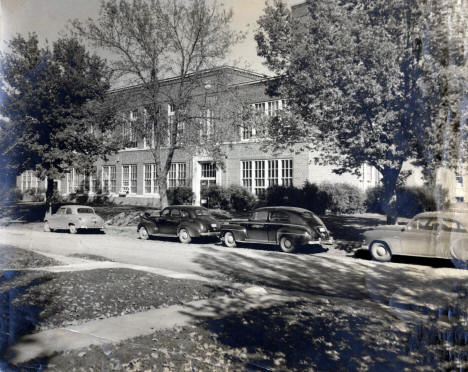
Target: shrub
point(343, 197)
point(315, 199)
point(283, 195)
point(216, 197)
point(410, 200)
point(180, 196)
point(241, 199)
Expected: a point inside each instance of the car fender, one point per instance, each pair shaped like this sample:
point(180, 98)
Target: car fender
point(150, 227)
point(192, 227)
point(239, 232)
point(296, 234)
point(393, 243)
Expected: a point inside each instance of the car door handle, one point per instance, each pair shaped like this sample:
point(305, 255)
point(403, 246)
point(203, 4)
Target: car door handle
point(257, 226)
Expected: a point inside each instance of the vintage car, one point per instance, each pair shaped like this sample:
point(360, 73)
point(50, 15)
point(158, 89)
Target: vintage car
point(73, 218)
point(429, 234)
point(287, 227)
point(182, 221)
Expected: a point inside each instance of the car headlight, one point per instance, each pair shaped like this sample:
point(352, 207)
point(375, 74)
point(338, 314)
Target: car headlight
point(202, 227)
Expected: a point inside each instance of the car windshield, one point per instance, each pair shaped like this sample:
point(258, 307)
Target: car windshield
point(85, 210)
point(312, 218)
point(202, 212)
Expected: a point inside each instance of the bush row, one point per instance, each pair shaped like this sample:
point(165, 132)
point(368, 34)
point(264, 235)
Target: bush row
point(337, 198)
point(410, 200)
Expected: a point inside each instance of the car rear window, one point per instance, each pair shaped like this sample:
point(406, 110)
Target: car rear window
point(312, 218)
point(202, 212)
point(85, 210)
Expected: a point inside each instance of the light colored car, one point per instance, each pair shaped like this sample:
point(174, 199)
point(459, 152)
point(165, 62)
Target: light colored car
point(429, 234)
point(73, 218)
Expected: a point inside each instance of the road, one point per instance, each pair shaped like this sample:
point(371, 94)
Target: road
point(307, 274)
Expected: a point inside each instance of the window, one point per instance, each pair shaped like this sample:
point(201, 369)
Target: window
point(207, 131)
point(266, 173)
point(73, 182)
point(175, 213)
point(151, 183)
point(260, 216)
point(208, 174)
point(69, 211)
point(177, 175)
point(259, 187)
point(109, 181)
point(129, 130)
point(129, 178)
point(279, 216)
point(247, 174)
point(29, 180)
point(269, 108)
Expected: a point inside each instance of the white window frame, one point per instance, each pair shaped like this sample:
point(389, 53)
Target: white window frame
point(107, 176)
point(154, 188)
point(257, 175)
point(131, 187)
point(265, 107)
point(174, 176)
point(29, 178)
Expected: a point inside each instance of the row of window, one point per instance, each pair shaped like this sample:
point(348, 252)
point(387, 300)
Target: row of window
point(258, 175)
point(248, 132)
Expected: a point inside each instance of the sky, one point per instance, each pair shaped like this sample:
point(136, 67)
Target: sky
point(48, 18)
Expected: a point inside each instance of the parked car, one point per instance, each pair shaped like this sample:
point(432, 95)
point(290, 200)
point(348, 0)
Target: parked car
point(73, 218)
point(287, 227)
point(182, 221)
point(428, 234)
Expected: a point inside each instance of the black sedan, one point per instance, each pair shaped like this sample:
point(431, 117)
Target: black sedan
point(182, 221)
point(287, 227)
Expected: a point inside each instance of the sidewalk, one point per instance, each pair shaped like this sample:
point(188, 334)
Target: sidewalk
point(117, 329)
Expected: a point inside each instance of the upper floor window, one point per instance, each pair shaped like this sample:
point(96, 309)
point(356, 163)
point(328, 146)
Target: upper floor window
point(268, 108)
point(129, 132)
point(207, 130)
point(171, 117)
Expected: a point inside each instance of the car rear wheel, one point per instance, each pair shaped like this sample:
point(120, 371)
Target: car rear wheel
point(184, 236)
point(287, 245)
point(143, 233)
point(229, 240)
point(380, 252)
point(47, 227)
point(72, 229)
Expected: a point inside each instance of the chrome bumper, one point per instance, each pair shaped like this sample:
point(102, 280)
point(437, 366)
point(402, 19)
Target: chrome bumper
point(321, 242)
point(210, 233)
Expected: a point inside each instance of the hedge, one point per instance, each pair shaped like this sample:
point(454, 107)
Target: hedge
point(410, 200)
point(235, 198)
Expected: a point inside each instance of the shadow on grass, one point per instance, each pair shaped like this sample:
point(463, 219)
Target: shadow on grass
point(17, 320)
point(350, 227)
point(331, 314)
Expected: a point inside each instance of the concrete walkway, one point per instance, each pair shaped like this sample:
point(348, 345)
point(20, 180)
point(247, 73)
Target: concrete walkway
point(120, 328)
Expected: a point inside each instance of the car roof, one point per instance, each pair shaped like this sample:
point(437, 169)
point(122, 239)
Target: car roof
point(445, 214)
point(75, 206)
point(185, 207)
point(284, 208)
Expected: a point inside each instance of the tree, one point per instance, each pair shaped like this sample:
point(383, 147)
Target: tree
point(54, 112)
point(353, 73)
point(155, 39)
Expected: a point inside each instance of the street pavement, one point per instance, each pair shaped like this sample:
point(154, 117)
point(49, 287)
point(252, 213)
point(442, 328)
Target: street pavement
point(411, 292)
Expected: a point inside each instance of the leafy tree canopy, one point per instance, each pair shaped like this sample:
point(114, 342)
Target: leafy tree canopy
point(54, 111)
point(367, 82)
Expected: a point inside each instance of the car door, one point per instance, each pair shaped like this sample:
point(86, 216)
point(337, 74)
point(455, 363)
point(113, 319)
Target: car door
point(60, 219)
point(417, 238)
point(256, 227)
point(448, 232)
point(277, 219)
point(162, 222)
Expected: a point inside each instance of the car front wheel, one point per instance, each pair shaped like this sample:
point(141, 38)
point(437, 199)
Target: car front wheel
point(184, 236)
point(143, 233)
point(287, 245)
point(229, 240)
point(47, 227)
point(72, 229)
point(380, 252)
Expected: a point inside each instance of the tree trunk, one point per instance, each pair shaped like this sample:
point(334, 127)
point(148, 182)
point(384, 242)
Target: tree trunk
point(389, 202)
point(50, 192)
point(162, 183)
